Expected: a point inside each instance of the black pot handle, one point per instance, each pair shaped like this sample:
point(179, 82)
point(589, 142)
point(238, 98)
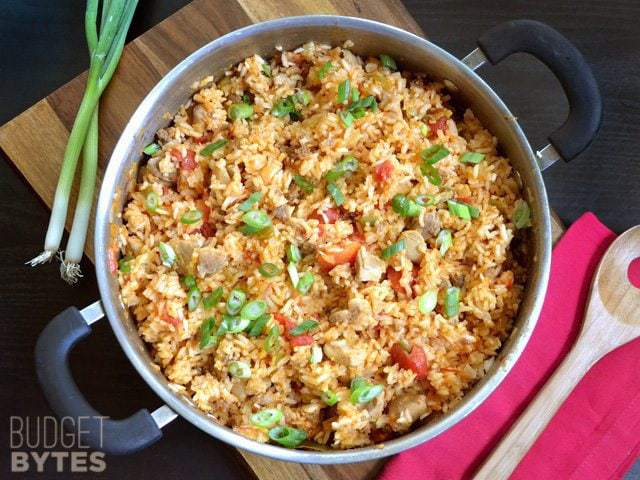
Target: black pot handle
point(567, 64)
point(115, 437)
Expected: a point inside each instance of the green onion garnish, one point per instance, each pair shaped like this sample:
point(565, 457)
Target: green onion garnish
point(322, 72)
point(305, 185)
point(348, 164)
point(257, 220)
point(213, 298)
point(522, 214)
point(305, 283)
point(235, 301)
point(329, 397)
point(257, 327)
point(266, 69)
point(474, 211)
point(444, 240)
point(427, 200)
point(358, 382)
point(212, 147)
point(254, 309)
point(388, 62)
point(152, 202)
point(269, 270)
point(316, 355)
point(254, 198)
point(189, 281)
point(191, 217)
point(124, 264)
point(267, 418)
point(167, 254)
point(405, 207)
point(393, 249)
point(428, 301)
point(346, 117)
point(363, 392)
point(206, 339)
point(293, 253)
point(459, 209)
point(303, 327)
point(336, 193)
point(240, 370)
point(287, 436)
point(303, 97)
point(272, 342)
point(344, 90)
point(472, 157)
point(355, 94)
point(193, 298)
point(452, 302)
point(293, 274)
point(434, 154)
point(432, 174)
point(234, 324)
point(151, 149)
point(240, 110)
point(284, 106)
point(424, 130)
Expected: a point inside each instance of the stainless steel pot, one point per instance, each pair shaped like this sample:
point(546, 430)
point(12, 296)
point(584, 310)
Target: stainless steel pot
point(370, 38)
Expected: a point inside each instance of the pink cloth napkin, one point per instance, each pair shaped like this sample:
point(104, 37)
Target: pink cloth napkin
point(595, 434)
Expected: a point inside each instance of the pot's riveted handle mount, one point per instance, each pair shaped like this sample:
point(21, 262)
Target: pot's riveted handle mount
point(116, 437)
point(566, 63)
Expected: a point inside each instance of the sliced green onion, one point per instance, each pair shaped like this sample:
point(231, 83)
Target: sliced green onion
point(322, 72)
point(459, 209)
point(193, 298)
point(393, 249)
point(388, 62)
point(432, 174)
point(152, 202)
point(405, 207)
point(344, 90)
point(363, 392)
point(206, 339)
point(472, 157)
point(124, 264)
point(428, 301)
point(293, 253)
point(424, 130)
point(235, 324)
point(284, 106)
point(254, 198)
point(305, 283)
point(151, 149)
point(316, 355)
point(269, 270)
point(348, 164)
point(267, 418)
point(522, 214)
point(452, 302)
point(329, 397)
point(444, 240)
point(235, 301)
point(254, 309)
point(189, 281)
point(287, 436)
point(358, 382)
point(212, 147)
point(293, 274)
point(346, 117)
point(272, 342)
point(371, 219)
point(474, 211)
point(303, 327)
point(355, 94)
point(240, 370)
point(213, 298)
point(256, 219)
point(336, 194)
point(266, 69)
point(167, 254)
point(240, 110)
point(427, 200)
point(303, 97)
point(434, 154)
point(191, 217)
point(305, 185)
point(257, 327)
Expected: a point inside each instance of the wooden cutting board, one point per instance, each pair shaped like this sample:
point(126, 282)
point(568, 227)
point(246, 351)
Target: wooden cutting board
point(35, 140)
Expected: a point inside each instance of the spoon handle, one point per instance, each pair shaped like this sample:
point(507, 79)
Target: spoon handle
point(522, 435)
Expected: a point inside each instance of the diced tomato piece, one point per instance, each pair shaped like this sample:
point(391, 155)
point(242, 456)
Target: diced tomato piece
point(395, 276)
point(207, 230)
point(112, 261)
point(415, 360)
point(170, 320)
point(203, 138)
point(287, 326)
point(300, 340)
point(187, 162)
point(358, 235)
point(466, 200)
point(383, 171)
point(440, 124)
point(346, 254)
point(330, 215)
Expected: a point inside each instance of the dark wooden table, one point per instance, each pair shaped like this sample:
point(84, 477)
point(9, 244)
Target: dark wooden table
point(42, 47)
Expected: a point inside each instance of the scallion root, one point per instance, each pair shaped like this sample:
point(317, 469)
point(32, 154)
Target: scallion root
point(44, 257)
point(70, 272)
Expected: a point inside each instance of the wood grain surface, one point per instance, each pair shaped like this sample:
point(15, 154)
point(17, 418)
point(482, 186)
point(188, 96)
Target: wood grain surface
point(34, 141)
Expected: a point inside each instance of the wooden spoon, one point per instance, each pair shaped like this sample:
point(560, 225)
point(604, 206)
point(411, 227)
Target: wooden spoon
point(612, 319)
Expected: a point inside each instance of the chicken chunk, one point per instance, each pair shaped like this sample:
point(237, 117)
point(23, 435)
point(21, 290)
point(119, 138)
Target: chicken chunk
point(359, 314)
point(370, 267)
point(168, 177)
point(184, 256)
point(429, 225)
point(340, 352)
point(210, 261)
point(281, 212)
point(415, 246)
point(406, 409)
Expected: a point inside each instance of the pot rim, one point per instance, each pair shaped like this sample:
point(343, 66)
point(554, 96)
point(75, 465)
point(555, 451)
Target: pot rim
point(472, 399)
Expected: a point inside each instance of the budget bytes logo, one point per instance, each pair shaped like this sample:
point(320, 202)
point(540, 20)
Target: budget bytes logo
point(39, 443)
